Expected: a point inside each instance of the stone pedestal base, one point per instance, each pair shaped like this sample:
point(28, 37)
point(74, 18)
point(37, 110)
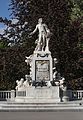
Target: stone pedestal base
point(39, 95)
point(65, 95)
point(65, 99)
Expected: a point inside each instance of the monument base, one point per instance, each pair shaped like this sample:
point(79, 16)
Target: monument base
point(39, 95)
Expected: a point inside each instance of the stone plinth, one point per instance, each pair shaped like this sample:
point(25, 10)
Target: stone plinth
point(65, 96)
point(42, 66)
point(39, 95)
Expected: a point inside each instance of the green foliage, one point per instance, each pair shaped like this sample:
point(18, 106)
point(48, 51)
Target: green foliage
point(61, 17)
point(3, 43)
point(81, 46)
point(75, 84)
point(81, 35)
point(77, 9)
point(14, 66)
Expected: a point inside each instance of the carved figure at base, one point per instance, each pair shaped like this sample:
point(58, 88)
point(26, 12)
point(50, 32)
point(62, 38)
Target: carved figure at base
point(26, 83)
point(62, 81)
point(43, 37)
point(19, 83)
point(48, 84)
point(54, 73)
point(28, 60)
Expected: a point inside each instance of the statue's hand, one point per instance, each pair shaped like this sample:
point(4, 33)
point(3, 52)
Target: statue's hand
point(30, 35)
point(49, 34)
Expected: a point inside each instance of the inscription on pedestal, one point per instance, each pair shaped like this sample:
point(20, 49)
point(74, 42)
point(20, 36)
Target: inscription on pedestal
point(42, 70)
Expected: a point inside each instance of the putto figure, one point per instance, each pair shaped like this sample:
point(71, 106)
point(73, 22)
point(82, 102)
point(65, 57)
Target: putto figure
point(44, 35)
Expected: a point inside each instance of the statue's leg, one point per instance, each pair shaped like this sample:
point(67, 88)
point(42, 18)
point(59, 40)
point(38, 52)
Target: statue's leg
point(47, 44)
point(43, 44)
point(39, 43)
point(40, 36)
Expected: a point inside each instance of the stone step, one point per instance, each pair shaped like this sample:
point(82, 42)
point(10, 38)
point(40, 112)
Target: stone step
point(13, 106)
point(37, 106)
point(41, 105)
point(74, 103)
point(43, 109)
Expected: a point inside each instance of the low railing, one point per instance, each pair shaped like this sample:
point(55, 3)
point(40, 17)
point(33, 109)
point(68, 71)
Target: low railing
point(10, 95)
point(6, 95)
point(75, 94)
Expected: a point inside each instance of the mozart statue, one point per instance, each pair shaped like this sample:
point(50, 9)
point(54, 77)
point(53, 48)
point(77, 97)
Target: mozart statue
point(44, 36)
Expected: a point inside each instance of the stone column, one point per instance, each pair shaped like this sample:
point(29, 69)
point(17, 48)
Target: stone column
point(12, 94)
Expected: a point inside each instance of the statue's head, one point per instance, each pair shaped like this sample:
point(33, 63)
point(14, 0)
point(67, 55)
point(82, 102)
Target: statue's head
point(40, 20)
point(22, 79)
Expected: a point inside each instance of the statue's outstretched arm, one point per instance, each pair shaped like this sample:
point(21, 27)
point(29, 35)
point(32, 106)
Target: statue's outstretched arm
point(34, 31)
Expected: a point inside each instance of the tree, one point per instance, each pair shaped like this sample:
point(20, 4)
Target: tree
point(64, 41)
point(12, 65)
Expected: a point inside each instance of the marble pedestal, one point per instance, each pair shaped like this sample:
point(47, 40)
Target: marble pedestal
point(39, 95)
point(41, 66)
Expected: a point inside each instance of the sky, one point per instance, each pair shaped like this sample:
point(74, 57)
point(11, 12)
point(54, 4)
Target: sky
point(4, 12)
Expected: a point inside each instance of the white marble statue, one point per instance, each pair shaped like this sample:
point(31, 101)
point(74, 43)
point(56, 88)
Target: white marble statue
point(20, 83)
point(62, 80)
point(48, 84)
point(54, 73)
point(28, 60)
point(26, 83)
point(55, 61)
point(44, 35)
